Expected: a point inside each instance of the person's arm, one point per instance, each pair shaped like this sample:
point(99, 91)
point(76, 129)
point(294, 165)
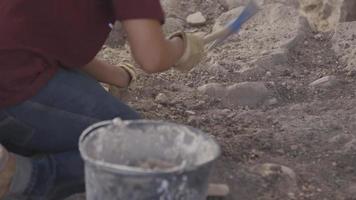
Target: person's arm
point(107, 73)
point(149, 46)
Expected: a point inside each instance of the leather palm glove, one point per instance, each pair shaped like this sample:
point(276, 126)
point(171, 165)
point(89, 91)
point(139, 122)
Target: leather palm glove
point(193, 51)
point(130, 69)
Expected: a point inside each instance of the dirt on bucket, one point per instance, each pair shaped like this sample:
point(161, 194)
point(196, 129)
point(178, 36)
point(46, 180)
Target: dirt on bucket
point(155, 165)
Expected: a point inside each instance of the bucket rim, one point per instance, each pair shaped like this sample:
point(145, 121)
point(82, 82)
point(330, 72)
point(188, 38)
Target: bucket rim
point(136, 171)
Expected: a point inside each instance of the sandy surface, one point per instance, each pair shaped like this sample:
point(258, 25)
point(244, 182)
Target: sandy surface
point(298, 142)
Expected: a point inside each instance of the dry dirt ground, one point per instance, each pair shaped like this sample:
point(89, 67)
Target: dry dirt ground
point(284, 136)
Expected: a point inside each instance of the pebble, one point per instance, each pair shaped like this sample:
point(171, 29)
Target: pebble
point(326, 81)
point(190, 112)
point(272, 102)
point(196, 19)
point(162, 98)
point(318, 36)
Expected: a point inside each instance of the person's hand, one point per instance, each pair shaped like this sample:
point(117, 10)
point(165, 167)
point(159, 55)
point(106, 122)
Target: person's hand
point(193, 51)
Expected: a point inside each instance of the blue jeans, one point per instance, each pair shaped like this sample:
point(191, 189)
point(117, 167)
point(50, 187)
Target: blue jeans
point(45, 130)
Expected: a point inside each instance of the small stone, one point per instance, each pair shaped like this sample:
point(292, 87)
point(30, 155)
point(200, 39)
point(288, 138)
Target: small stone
point(318, 36)
point(326, 81)
point(190, 112)
point(268, 169)
point(268, 74)
point(162, 98)
point(193, 120)
point(272, 102)
point(196, 19)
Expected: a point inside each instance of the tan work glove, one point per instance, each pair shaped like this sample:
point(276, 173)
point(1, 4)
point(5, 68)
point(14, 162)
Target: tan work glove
point(193, 51)
point(130, 69)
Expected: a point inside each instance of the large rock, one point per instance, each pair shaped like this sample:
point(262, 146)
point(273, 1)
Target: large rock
point(249, 94)
point(246, 94)
point(281, 178)
point(344, 44)
point(264, 41)
point(214, 90)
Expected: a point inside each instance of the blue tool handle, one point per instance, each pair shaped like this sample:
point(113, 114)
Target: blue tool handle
point(250, 10)
point(218, 37)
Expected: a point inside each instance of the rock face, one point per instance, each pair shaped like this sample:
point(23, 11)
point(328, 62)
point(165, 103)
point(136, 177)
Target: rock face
point(344, 44)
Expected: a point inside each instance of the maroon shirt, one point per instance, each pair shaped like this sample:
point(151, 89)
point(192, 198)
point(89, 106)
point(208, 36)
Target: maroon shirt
point(37, 37)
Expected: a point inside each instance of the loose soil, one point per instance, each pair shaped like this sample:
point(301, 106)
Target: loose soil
point(308, 134)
